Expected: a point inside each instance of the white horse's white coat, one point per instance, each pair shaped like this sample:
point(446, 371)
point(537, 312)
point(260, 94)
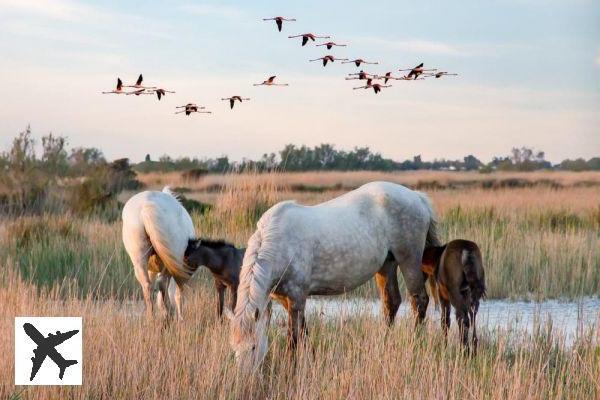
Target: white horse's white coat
point(330, 248)
point(156, 226)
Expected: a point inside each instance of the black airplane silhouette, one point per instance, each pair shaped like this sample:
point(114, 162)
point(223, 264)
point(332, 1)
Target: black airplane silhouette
point(46, 347)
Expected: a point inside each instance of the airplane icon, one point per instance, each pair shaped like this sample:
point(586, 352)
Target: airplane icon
point(46, 347)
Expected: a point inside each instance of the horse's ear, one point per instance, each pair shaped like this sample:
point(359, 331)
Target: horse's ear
point(228, 314)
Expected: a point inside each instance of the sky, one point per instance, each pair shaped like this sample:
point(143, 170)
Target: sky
point(529, 75)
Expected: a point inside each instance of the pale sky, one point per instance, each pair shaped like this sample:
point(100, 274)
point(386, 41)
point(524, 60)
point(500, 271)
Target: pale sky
point(529, 76)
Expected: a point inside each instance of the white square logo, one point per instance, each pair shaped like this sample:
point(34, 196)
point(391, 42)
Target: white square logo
point(48, 350)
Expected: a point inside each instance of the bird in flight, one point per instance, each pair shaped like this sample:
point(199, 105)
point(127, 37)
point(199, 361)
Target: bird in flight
point(330, 45)
point(326, 59)
point(160, 92)
point(190, 108)
point(359, 61)
point(271, 82)
point(360, 75)
point(233, 99)
point(307, 36)
point(46, 347)
point(118, 89)
point(388, 76)
point(375, 86)
point(438, 75)
point(416, 71)
point(279, 21)
point(138, 84)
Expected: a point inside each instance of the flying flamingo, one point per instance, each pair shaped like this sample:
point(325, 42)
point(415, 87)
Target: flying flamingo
point(191, 108)
point(360, 75)
point(270, 82)
point(118, 90)
point(138, 84)
point(441, 73)
point(330, 45)
point(359, 61)
point(279, 21)
point(160, 92)
point(138, 92)
point(416, 71)
point(232, 100)
point(388, 76)
point(311, 36)
point(327, 59)
point(376, 86)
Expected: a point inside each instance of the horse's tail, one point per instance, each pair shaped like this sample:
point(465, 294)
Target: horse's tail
point(473, 269)
point(253, 289)
point(167, 241)
point(431, 240)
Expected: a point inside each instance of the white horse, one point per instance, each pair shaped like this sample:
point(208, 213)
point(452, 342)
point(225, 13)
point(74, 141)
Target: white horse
point(329, 249)
point(156, 230)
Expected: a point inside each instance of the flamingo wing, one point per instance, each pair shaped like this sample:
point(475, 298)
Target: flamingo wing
point(271, 79)
point(119, 84)
point(279, 23)
point(304, 40)
point(231, 103)
point(139, 80)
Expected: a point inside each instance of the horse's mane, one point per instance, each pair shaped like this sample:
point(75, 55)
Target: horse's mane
point(167, 190)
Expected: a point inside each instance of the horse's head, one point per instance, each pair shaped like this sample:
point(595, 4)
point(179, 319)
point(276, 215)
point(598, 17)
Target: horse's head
point(248, 337)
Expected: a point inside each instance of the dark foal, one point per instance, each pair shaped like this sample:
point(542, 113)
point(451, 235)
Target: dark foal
point(457, 270)
point(224, 260)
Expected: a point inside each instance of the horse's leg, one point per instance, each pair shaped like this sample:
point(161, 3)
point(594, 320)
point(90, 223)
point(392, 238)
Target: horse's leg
point(387, 282)
point(143, 277)
point(232, 296)
point(415, 283)
point(445, 306)
point(220, 287)
point(162, 299)
point(473, 313)
point(297, 329)
point(179, 300)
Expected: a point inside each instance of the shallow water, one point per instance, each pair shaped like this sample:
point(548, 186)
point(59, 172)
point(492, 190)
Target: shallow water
point(569, 319)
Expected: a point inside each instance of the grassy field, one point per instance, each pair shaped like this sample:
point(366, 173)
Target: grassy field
point(539, 232)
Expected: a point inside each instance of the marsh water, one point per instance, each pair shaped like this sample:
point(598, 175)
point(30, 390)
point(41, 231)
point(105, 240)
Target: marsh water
point(568, 319)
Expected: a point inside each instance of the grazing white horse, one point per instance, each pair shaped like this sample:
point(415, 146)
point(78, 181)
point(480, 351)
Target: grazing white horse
point(156, 230)
point(329, 249)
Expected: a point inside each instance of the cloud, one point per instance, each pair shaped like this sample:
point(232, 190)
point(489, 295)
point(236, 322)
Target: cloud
point(82, 14)
point(214, 10)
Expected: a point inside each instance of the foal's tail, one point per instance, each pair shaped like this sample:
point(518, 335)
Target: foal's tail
point(167, 240)
point(431, 240)
point(474, 273)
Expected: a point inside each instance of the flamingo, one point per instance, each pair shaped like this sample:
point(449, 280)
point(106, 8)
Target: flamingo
point(359, 61)
point(330, 45)
point(138, 84)
point(192, 108)
point(160, 92)
point(232, 100)
point(416, 71)
point(138, 92)
point(438, 75)
point(119, 88)
point(360, 75)
point(270, 82)
point(327, 59)
point(279, 21)
point(388, 76)
point(311, 36)
point(376, 86)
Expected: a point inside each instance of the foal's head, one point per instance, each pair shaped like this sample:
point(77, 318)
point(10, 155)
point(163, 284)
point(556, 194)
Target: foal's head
point(202, 251)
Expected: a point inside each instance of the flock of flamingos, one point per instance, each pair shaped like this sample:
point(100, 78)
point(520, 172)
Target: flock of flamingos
point(417, 73)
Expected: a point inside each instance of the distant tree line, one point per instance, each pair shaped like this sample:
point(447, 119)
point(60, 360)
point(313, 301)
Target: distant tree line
point(81, 179)
point(326, 157)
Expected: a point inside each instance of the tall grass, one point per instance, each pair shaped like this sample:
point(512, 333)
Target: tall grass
point(126, 356)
